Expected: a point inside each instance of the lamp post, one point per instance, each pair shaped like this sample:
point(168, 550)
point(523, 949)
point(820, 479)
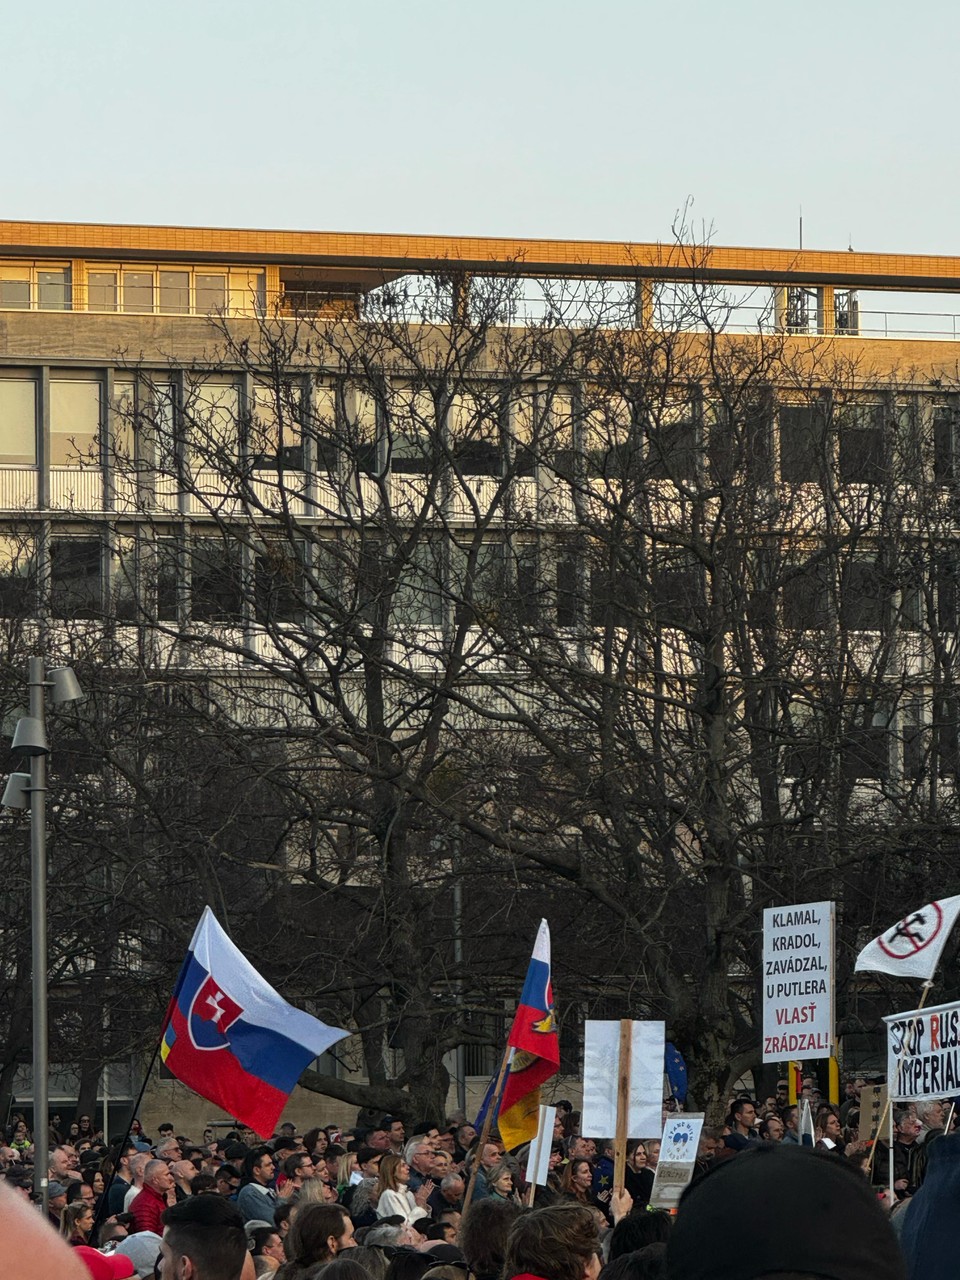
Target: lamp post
point(29, 790)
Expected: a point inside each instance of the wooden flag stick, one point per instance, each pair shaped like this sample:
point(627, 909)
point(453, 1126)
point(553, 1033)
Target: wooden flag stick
point(487, 1122)
point(623, 1105)
point(927, 988)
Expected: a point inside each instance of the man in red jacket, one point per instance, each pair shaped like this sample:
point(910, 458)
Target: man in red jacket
point(148, 1206)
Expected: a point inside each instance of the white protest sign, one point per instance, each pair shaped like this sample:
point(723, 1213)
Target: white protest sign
point(538, 1162)
point(798, 982)
point(677, 1160)
point(923, 1053)
point(601, 1053)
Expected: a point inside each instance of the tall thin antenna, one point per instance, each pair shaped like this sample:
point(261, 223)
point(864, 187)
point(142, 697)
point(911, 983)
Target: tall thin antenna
point(801, 226)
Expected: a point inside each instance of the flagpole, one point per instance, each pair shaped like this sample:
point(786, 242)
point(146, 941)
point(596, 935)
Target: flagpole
point(487, 1121)
point(888, 1106)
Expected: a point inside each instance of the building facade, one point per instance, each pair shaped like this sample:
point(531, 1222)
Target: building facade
point(586, 551)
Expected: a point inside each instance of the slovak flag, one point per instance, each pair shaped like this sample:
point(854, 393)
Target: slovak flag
point(231, 1039)
point(536, 1049)
point(911, 948)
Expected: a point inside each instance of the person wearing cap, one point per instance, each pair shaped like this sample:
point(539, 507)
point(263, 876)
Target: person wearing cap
point(776, 1209)
point(103, 1266)
point(143, 1249)
point(56, 1201)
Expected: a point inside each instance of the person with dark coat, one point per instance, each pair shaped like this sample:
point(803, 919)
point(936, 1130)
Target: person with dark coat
point(929, 1234)
point(774, 1209)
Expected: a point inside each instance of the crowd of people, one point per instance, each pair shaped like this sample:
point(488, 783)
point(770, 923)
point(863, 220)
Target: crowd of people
point(385, 1200)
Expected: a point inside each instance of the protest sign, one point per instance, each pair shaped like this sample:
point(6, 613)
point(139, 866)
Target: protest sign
point(538, 1161)
point(923, 1053)
point(798, 981)
point(873, 1106)
point(678, 1156)
point(601, 1057)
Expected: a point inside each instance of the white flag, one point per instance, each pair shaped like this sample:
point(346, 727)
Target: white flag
point(912, 947)
point(808, 1134)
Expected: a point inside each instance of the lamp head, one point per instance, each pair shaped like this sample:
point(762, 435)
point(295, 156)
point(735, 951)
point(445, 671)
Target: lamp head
point(16, 794)
point(30, 738)
point(64, 685)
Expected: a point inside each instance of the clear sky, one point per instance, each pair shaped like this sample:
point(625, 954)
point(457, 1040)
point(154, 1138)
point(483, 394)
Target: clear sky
point(506, 117)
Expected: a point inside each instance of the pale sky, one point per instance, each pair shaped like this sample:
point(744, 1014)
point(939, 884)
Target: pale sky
point(506, 117)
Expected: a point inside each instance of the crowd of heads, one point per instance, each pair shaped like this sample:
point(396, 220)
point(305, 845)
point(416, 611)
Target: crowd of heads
point(385, 1200)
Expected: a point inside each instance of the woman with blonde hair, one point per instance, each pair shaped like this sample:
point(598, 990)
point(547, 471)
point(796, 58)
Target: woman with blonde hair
point(394, 1195)
point(76, 1223)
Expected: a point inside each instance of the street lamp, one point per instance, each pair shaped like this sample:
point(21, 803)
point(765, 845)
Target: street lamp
point(29, 791)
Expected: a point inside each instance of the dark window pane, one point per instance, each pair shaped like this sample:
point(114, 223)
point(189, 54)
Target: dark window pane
point(944, 445)
point(672, 446)
point(418, 599)
point(865, 754)
point(861, 596)
point(946, 722)
point(528, 586)
point(802, 443)
point(676, 591)
point(614, 596)
point(75, 584)
point(278, 585)
point(568, 589)
point(168, 578)
point(862, 458)
point(216, 587)
point(946, 571)
point(18, 578)
point(806, 597)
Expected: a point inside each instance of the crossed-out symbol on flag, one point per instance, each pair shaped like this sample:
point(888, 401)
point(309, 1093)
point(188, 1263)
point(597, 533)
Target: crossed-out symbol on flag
point(913, 933)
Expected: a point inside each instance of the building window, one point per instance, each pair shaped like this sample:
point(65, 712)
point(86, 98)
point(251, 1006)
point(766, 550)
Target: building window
point(74, 423)
point(278, 584)
point(15, 288)
point(277, 439)
point(216, 581)
point(805, 596)
point(946, 568)
point(672, 442)
point(866, 751)
point(174, 292)
point(419, 597)
point(211, 293)
point(102, 293)
point(75, 578)
point(803, 443)
point(18, 422)
point(945, 444)
point(862, 595)
point(137, 290)
point(18, 576)
point(475, 433)
point(211, 414)
point(411, 430)
point(860, 430)
point(676, 588)
point(47, 286)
